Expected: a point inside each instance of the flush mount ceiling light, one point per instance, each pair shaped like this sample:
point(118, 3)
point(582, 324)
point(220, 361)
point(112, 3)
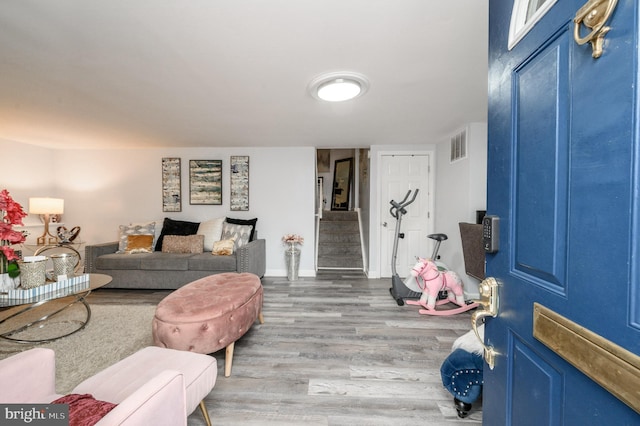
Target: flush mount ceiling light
point(338, 86)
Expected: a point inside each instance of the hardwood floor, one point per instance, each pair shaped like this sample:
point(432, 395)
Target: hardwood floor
point(334, 350)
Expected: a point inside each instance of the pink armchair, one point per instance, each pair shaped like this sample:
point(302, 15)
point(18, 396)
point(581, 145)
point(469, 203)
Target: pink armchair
point(161, 398)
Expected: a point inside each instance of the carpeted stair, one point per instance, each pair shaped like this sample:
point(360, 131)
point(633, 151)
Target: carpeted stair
point(339, 245)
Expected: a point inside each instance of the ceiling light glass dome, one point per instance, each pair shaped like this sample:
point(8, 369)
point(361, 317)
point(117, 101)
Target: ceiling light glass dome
point(338, 86)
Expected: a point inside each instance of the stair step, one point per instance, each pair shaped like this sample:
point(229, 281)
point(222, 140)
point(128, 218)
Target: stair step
point(334, 250)
point(329, 215)
point(354, 262)
point(346, 242)
point(339, 224)
point(337, 238)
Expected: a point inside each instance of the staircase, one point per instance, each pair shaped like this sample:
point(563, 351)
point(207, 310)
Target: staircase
point(339, 245)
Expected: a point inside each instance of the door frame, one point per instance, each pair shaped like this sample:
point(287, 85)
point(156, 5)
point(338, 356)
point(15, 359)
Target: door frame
point(375, 230)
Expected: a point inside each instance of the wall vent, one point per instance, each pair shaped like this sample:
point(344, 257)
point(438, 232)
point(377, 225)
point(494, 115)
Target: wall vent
point(459, 146)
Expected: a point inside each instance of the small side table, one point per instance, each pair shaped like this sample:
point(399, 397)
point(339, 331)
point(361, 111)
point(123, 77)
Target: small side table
point(68, 246)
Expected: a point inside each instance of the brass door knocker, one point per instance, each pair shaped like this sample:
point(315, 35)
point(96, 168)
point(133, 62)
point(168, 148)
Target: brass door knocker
point(594, 15)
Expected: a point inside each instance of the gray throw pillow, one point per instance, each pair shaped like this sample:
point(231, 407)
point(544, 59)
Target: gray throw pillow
point(241, 233)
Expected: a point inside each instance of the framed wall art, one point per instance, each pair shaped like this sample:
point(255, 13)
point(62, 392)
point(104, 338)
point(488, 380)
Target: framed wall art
point(239, 182)
point(205, 182)
point(171, 185)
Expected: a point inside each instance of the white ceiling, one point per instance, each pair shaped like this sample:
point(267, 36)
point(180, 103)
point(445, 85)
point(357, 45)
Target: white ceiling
point(199, 73)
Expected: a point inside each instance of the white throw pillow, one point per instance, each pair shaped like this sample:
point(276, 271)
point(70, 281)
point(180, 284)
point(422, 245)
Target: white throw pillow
point(212, 231)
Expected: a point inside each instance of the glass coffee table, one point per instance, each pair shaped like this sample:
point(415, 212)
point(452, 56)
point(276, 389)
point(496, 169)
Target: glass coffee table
point(19, 316)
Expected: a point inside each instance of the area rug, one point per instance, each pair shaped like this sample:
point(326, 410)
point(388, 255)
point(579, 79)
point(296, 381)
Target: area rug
point(113, 333)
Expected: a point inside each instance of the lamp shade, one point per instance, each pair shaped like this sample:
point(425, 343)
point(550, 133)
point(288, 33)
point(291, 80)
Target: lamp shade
point(46, 205)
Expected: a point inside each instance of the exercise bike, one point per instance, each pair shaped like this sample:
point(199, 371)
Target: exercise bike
point(398, 290)
point(408, 288)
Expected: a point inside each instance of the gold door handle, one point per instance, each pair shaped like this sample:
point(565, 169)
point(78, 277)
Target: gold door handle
point(594, 14)
point(489, 304)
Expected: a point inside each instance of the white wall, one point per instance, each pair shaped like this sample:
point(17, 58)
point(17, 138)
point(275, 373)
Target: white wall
point(106, 188)
point(25, 167)
point(103, 189)
point(29, 173)
point(461, 190)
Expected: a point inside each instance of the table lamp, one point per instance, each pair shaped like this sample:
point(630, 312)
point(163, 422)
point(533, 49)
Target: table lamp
point(46, 207)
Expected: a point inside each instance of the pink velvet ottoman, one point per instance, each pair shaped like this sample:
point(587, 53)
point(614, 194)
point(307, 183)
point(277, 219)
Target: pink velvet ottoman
point(209, 314)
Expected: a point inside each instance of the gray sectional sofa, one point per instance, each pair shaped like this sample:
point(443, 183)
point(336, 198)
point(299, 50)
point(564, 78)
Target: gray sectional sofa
point(148, 256)
point(158, 270)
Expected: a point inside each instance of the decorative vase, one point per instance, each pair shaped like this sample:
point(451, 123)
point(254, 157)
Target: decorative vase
point(7, 283)
point(64, 265)
point(292, 258)
point(33, 271)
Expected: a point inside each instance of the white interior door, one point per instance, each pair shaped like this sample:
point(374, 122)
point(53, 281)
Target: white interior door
point(398, 175)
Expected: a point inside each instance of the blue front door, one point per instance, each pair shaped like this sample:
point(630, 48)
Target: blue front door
point(564, 178)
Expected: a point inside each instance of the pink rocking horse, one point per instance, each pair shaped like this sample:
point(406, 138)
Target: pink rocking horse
point(431, 282)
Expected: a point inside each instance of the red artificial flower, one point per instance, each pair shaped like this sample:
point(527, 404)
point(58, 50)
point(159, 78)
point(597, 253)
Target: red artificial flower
point(9, 253)
point(292, 239)
point(13, 212)
point(9, 235)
